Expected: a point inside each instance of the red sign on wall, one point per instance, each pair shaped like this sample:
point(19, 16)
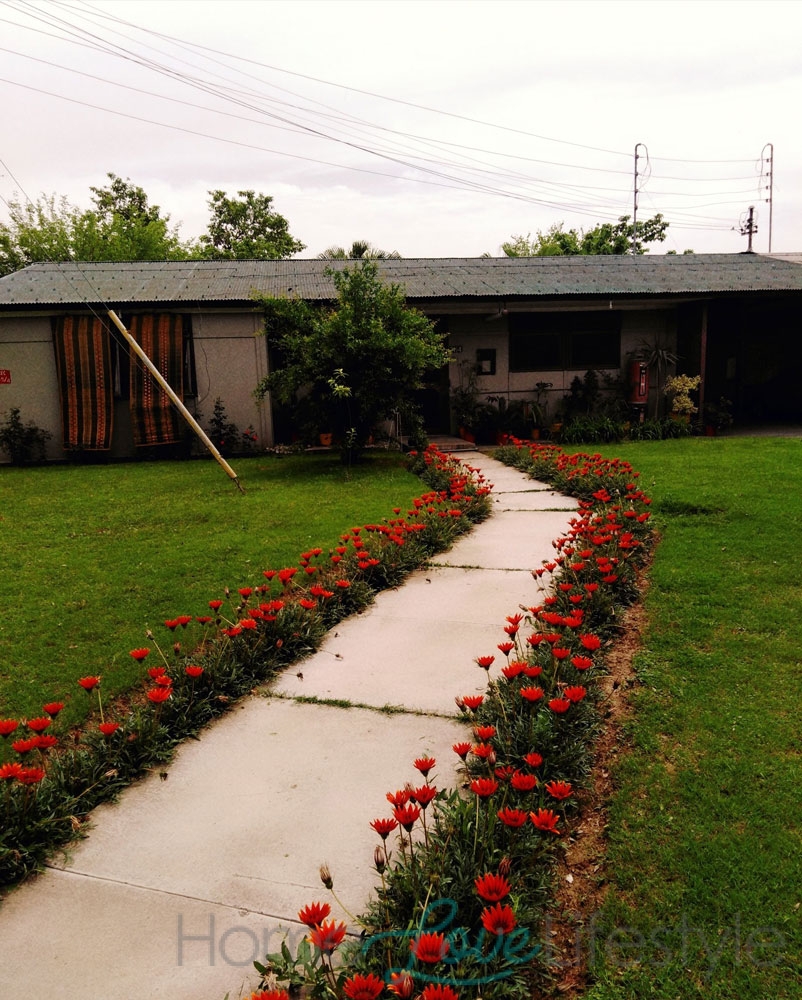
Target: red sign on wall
point(5, 376)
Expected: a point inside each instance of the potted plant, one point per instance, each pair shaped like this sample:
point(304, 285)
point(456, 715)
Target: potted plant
point(679, 389)
point(718, 416)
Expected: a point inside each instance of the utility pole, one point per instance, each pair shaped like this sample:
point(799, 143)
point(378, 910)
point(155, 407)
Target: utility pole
point(769, 160)
point(749, 228)
point(635, 199)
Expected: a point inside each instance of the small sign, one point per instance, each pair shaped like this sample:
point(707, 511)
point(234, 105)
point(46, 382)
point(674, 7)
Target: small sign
point(5, 376)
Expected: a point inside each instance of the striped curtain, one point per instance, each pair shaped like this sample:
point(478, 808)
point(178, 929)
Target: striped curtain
point(83, 364)
point(153, 417)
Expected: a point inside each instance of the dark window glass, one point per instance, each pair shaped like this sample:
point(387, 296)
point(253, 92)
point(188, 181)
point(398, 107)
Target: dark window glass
point(543, 341)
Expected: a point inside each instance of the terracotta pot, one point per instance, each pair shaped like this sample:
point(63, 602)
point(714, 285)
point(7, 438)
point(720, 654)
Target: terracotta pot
point(326, 439)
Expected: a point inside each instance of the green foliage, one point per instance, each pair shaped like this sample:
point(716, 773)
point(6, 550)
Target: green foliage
point(22, 442)
point(359, 250)
point(226, 436)
point(343, 370)
point(246, 228)
point(605, 238)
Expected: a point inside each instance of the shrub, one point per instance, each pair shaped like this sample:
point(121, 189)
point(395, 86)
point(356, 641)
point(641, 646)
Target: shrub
point(22, 442)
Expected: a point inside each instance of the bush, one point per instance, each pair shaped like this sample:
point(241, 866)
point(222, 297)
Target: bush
point(22, 442)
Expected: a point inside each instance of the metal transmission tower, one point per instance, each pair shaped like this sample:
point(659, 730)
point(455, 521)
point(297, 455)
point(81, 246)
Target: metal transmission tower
point(638, 146)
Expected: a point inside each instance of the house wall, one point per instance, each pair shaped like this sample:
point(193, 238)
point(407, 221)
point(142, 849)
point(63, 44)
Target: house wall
point(470, 333)
point(230, 359)
point(26, 351)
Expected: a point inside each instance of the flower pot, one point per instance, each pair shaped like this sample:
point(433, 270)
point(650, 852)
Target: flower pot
point(535, 433)
point(467, 435)
point(326, 439)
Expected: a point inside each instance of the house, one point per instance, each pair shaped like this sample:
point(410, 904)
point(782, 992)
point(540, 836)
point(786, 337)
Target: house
point(733, 318)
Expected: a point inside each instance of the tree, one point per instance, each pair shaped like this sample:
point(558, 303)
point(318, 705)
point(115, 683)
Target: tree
point(121, 226)
point(360, 250)
point(246, 228)
point(36, 231)
point(605, 238)
point(347, 368)
point(125, 226)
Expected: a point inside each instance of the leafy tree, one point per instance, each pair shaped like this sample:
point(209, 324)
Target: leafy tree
point(37, 231)
point(345, 369)
point(121, 226)
point(246, 228)
point(359, 250)
point(605, 238)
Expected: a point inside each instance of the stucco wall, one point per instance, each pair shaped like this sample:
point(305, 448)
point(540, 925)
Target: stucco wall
point(26, 350)
point(230, 359)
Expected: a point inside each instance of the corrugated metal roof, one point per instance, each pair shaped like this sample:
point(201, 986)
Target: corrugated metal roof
point(233, 282)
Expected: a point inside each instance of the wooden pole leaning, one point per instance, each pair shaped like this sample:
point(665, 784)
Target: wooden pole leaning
point(193, 423)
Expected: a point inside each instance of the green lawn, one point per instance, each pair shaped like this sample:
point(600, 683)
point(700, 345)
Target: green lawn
point(705, 836)
point(94, 555)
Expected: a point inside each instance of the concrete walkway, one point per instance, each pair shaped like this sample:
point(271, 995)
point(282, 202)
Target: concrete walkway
point(186, 880)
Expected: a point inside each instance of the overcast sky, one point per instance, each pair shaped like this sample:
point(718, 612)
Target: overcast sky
point(435, 128)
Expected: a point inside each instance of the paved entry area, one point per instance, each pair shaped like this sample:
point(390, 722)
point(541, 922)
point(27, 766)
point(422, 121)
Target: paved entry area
point(188, 878)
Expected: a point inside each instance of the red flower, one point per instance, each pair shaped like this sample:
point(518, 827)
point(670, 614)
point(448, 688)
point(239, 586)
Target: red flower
point(108, 728)
point(248, 623)
point(154, 672)
point(439, 991)
point(484, 752)
point(559, 705)
point(425, 764)
point(184, 620)
point(31, 775)
point(545, 820)
point(53, 708)
point(24, 746)
point(462, 749)
point(401, 797)
point(506, 647)
point(270, 995)
point(485, 661)
point(498, 919)
point(203, 619)
point(359, 987)
point(314, 914)
point(484, 787)
point(162, 680)
point(492, 887)
point(233, 631)
point(523, 782)
point(384, 827)
point(139, 654)
point(590, 642)
point(245, 591)
point(285, 575)
point(8, 771)
point(307, 604)
point(431, 947)
point(582, 662)
point(532, 694)
point(424, 795)
point(45, 742)
point(559, 789)
point(511, 670)
point(485, 733)
point(89, 683)
point(533, 670)
point(407, 815)
point(533, 759)
point(7, 727)
point(472, 701)
point(215, 605)
point(560, 652)
point(402, 985)
point(172, 624)
point(342, 584)
point(193, 671)
point(327, 936)
point(575, 693)
point(39, 725)
point(159, 694)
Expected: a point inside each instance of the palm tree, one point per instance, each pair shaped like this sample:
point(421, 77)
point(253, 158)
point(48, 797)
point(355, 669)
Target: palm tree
point(360, 250)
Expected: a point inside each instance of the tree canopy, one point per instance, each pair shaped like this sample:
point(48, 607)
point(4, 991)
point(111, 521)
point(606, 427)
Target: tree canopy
point(605, 238)
point(246, 227)
point(359, 250)
point(122, 224)
point(346, 368)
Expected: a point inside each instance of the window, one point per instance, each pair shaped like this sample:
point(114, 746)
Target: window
point(563, 340)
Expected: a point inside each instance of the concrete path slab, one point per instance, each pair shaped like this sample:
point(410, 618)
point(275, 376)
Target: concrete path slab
point(183, 882)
